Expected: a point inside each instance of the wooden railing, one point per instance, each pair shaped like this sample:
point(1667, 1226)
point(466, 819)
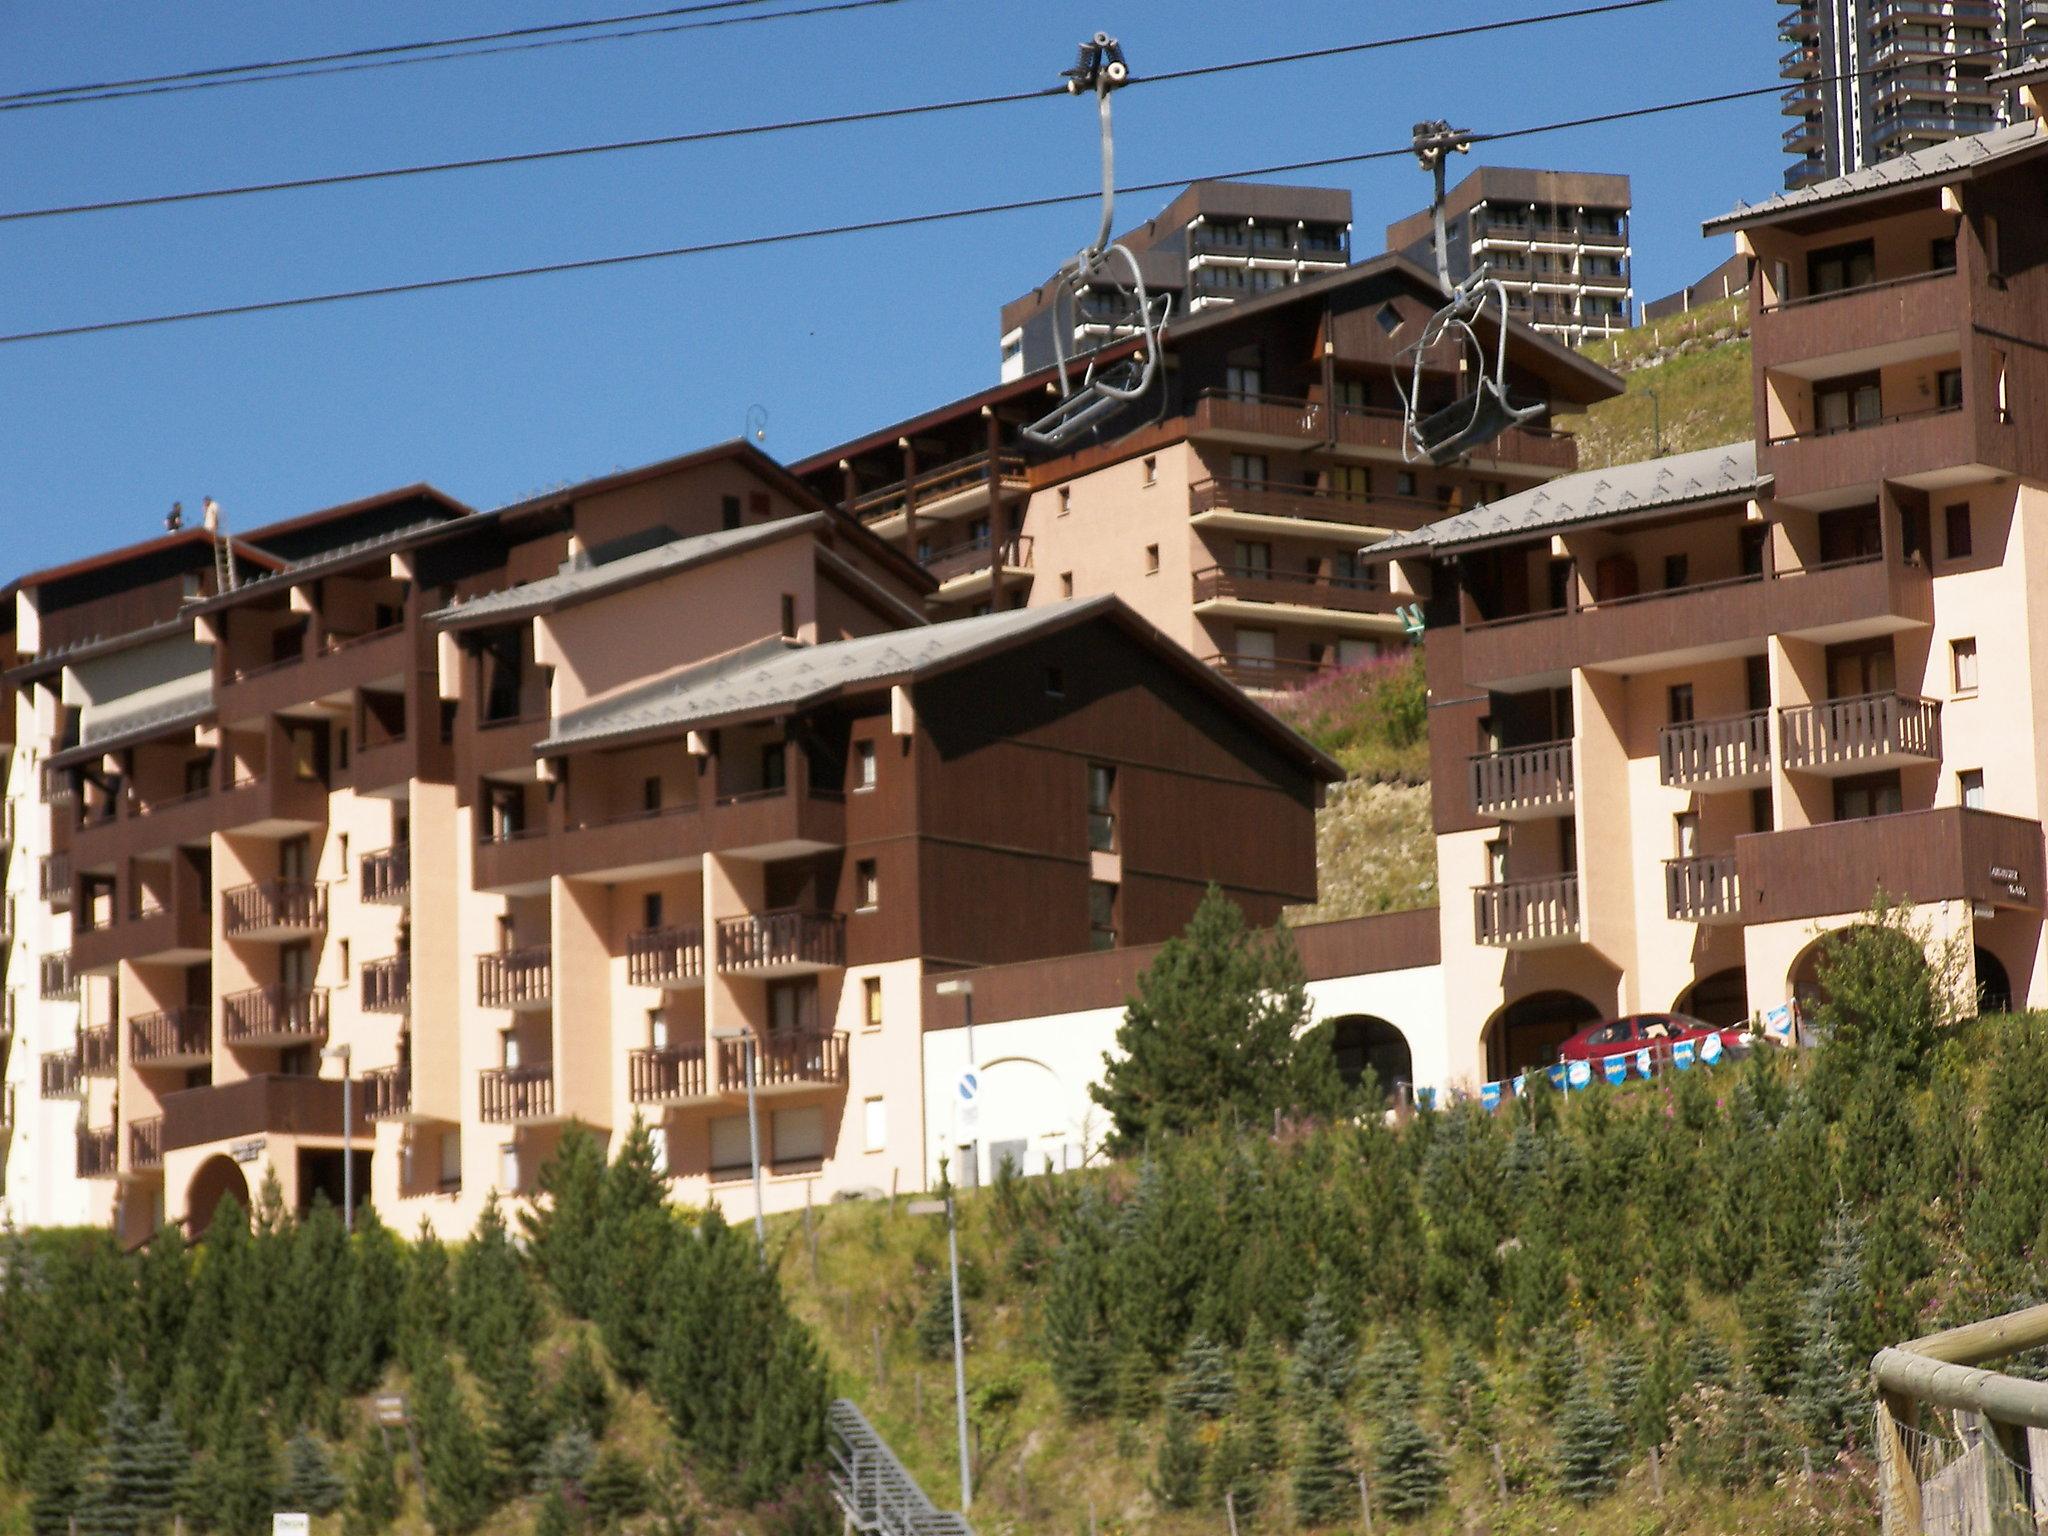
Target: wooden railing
point(98, 1050)
point(298, 905)
point(274, 1015)
point(55, 976)
point(1269, 673)
point(781, 938)
point(185, 1032)
point(387, 1092)
point(659, 1076)
point(61, 1075)
point(6, 1106)
point(146, 1143)
point(1263, 499)
point(1871, 726)
point(655, 956)
point(1352, 594)
point(97, 1158)
point(784, 1060)
point(1269, 416)
point(53, 880)
point(387, 874)
point(1702, 888)
point(513, 978)
point(1708, 751)
point(935, 484)
point(1523, 779)
point(516, 1093)
point(387, 984)
point(1527, 912)
point(973, 555)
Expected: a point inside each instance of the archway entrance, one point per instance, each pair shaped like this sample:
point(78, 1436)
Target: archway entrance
point(1807, 988)
point(1528, 1031)
point(1994, 986)
point(217, 1178)
point(1361, 1042)
point(1722, 998)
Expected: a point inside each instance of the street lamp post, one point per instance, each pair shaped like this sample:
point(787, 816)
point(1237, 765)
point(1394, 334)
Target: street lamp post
point(963, 988)
point(933, 1208)
point(746, 1039)
point(340, 1053)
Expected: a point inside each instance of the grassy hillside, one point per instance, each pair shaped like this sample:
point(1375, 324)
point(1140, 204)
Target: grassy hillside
point(1698, 366)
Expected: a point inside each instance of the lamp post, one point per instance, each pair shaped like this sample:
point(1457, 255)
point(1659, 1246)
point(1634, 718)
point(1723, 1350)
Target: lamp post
point(340, 1053)
point(746, 1039)
point(963, 988)
point(933, 1208)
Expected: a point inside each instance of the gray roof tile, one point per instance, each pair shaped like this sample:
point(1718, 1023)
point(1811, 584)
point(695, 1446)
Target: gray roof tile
point(1939, 162)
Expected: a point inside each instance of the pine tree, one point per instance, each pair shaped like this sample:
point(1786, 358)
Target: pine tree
point(616, 1488)
point(1257, 1396)
point(452, 1455)
point(1826, 1379)
point(424, 1314)
point(1770, 1310)
point(934, 1331)
point(1136, 1384)
point(1707, 1361)
point(1408, 1466)
point(1325, 1475)
point(496, 1311)
point(561, 1222)
point(1534, 1272)
point(239, 1483)
point(163, 1299)
point(1325, 1358)
point(1550, 1360)
point(1077, 1335)
point(1466, 1397)
point(1177, 1468)
point(1589, 1441)
point(372, 1488)
point(161, 1459)
point(635, 1231)
point(554, 1518)
point(1234, 1472)
point(516, 1418)
point(1202, 1386)
point(582, 1395)
point(1027, 1256)
point(111, 1501)
point(372, 1295)
point(565, 1461)
point(1393, 1371)
point(1627, 1388)
point(310, 1481)
point(55, 1484)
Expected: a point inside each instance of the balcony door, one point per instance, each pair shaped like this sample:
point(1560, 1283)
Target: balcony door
point(1841, 267)
point(294, 861)
point(1860, 669)
point(1244, 381)
point(792, 1008)
point(1253, 558)
point(1844, 403)
point(1875, 794)
point(1248, 468)
point(295, 969)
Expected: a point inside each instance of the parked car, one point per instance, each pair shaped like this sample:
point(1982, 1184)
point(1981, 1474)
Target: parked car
point(1623, 1036)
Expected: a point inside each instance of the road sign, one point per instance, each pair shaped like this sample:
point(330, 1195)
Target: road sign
point(967, 1099)
point(291, 1525)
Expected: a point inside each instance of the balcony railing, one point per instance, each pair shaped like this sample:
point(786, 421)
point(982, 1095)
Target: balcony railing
point(387, 1093)
point(796, 1060)
point(507, 1095)
point(146, 1144)
point(1872, 729)
point(98, 1050)
point(934, 485)
point(1352, 594)
point(57, 982)
point(1271, 674)
point(1704, 753)
point(1702, 889)
point(96, 1152)
point(387, 984)
point(6, 823)
point(1524, 781)
point(6, 1106)
point(973, 555)
point(781, 940)
point(387, 875)
point(666, 1076)
point(1527, 914)
point(1261, 499)
point(274, 906)
point(8, 1008)
point(61, 1074)
point(175, 1037)
point(275, 1015)
point(516, 978)
point(1265, 416)
point(53, 880)
point(1930, 275)
point(665, 956)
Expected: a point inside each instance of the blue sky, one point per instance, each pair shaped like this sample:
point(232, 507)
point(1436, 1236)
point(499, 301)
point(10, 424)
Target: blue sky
point(497, 392)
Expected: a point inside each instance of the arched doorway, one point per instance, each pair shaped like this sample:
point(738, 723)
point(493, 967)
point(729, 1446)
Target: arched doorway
point(1362, 1042)
point(1994, 986)
point(1721, 998)
point(217, 1178)
point(1528, 1031)
point(1807, 989)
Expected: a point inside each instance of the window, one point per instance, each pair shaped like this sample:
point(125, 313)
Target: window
point(1152, 471)
point(1248, 468)
point(1678, 701)
point(798, 1135)
point(1962, 664)
point(198, 775)
point(1066, 500)
point(650, 910)
point(1353, 480)
point(1991, 264)
point(657, 1029)
point(1761, 815)
point(1253, 559)
point(1102, 807)
point(509, 1053)
point(1388, 317)
point(1756, 682)
point(1685, 834)
point(871, 1002)
point(1559, 577)
point(308, 756)
point(874, 1125)
point(1151, 559)
point(731, 1149)
point(1956, 528)
point(650, 793)
point(1998, 376)
point(1497, 861)
point(343, 955)
point(1941, 254)
point(451, 1159)
point(1841, 267)
point(341, 747)
point(1055, 683)
point(867, 886)
point(1755, 537)
point(1242, 382)
point(1101, 915)
point(774, 765)
point(729, 511)
point(1970, 788)
point(865, 767)
point(1845, 403)
point(792, 1007)
point(508, 1165)
point(1404, 483)
point(1876, 795)
point(1948, 389)
point(1066, 583)
point(789, 616)
point(1675, 568)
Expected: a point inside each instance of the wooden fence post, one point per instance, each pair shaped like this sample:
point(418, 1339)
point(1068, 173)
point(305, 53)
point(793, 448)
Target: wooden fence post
point(1365, 1502)
point(1500, 1473)
point(1656, 1476)
point(1229, 1513)
point(881, 1365)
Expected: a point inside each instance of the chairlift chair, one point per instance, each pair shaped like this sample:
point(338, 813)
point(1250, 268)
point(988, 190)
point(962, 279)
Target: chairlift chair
point(1482, 412)
point(1102, 269)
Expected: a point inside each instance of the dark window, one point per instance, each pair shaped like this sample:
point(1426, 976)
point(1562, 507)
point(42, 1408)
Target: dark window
point(1560, 574)
point(1675, 568)
point(650, 910)
point(1851, 534)
point(198, 775)
point(1941, 256)
point(1948, 388)
point(1874, 795)
point(1956, 528)
point(1055, 683)
point(1679, 704)
point(1862, 668)
point(1841, 266)
point(729, 511)
point(1754, 538)
point(788, 616)
point(1102, 807)
point(307, 745)
point(1560, 714)
point(774, 760)
point(1841, 404)
point(650, 794)
point(341, 748)
point(867, 885)
point(1101, 915)
point(1760, 811)
point(1756, 678)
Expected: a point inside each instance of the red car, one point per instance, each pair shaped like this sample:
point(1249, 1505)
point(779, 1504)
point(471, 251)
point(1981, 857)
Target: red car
point(1625, 1036)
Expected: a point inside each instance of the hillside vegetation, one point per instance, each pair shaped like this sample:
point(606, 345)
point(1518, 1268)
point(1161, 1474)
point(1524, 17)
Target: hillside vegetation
point(1696, 364)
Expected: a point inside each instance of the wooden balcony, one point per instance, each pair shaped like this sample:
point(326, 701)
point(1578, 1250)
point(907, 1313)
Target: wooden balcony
point(1946, 854)
point(97, 1155)
point(1734, 753)
point(268, 1104)
point(782, 943)
point(328, 667)
point(516, 861)
point(176, 1037)
point(666, 957)
point(1272, 594)
point(1269, 674)
point(275, 1016)
point(99, 1051)
point(516, 1095)
point(387, 876)
point(1703, 889)
point(516, 978)
point(53, 881)
point(146, 1144)
point(1265, 421)
point(277, 910)
point(8, 1009)
point(1912, 447)
point(952, 489)
point(6, 1107)
point(1865, 734)
point(669, 1077)
point(387, 1093)
point(954, 564)
point(6, 824)
point(1542, 913)
point(1524, 783)
point(387, 984)
point(1257, 506)
point(54, 978)
point(1927, 309)
point(61, 1074)
point(784, 1063)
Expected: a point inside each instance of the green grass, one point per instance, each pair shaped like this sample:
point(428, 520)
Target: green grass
point(1698, 366)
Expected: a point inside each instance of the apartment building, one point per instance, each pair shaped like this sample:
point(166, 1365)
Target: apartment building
point(1219, 242)
point(1558, 241)
point(1873, 79)
point(1229, 508)
point(428, 832)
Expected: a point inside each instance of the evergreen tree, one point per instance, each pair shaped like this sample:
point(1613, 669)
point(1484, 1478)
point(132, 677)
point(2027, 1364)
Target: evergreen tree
point(615, 1489)
point(310, 1304)
point(1077, 1335)
point(112, 1501)
point(554, 1518)
point(372, 1294)
point(1136, 1385)
point(1177, 1468)
point(1235, 1474)
point(1628, 1385)
point(55, 1484)
point(1325, 1357)
point(163, 1299)
point(1826, 1380)
point(372, 1489)
point(238, 1486)
point(161, 1460)
point(1393, 1371)
point(634, 1233)
point(934, 1331)
point(1551, 1360)
point(1408, 1467)
point(424, 1316)
point(1589, 1441)
point(1202, 1385)
point(1027, 1256)
point(1770, 1310)
point(496, 1312)
point(561, 1221)
point(1466, 1397)
point(1534, 1272)
point(582, 1395)
point(1325, 1475)
point(1707, 1361)
point(1209, 1036)
point(310, 1482)
point(516, 1418)
point(1464, 1198)
point(565, 1461)
point(1256, 1398)
point(452, 1456)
